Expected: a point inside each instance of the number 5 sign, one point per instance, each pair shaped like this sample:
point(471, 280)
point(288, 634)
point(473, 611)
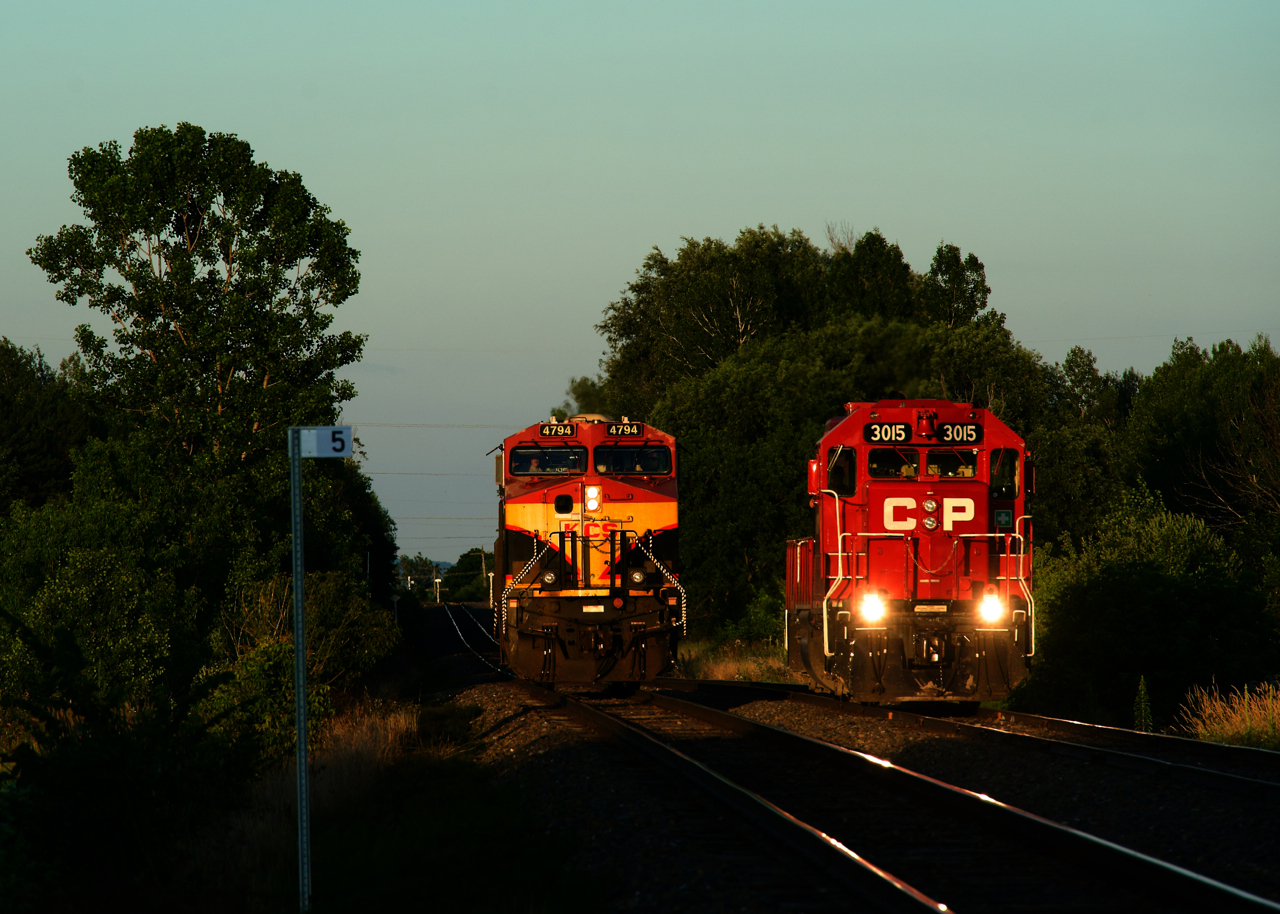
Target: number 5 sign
point(309, 441)
point(325, 441)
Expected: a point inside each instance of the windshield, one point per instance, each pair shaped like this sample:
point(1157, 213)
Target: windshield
point(952, 464)
point(633, 460)
point(1004, 473)
point(842, 470)
point(893, 463)
point(546, 461)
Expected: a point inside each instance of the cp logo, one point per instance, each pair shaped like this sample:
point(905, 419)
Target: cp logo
point(953, 509)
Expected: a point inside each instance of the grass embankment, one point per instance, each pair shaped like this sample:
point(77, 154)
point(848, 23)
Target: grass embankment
point(1242, 717)
point(402, 814)
point(759, 661)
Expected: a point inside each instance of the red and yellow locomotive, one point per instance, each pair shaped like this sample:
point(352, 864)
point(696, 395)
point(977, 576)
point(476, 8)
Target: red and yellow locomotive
point(917, 581)
point(585, 585)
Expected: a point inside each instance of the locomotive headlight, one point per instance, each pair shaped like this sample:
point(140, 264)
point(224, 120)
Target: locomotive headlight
point(548, 577)
point(931, 523)
point(593, 498)
point(930, 505)
point(872, 608)
point(990, 609)
point(636, 576)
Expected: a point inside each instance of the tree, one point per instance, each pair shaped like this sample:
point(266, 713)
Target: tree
point(44, 421)
point(216, 272)
point(1149, 594)
point(869, 276)
point(467, 579)
point(680, 318)
point(955, 290)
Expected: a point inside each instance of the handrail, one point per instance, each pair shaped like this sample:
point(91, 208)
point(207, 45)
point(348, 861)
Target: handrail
point(840, 575)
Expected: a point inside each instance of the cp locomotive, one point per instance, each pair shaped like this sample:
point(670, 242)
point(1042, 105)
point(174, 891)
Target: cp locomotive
point(917, 582)
point(585, 585)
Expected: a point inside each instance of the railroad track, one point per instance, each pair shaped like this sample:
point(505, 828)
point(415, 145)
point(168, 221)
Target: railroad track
point(900, 840)
point(1242, 770)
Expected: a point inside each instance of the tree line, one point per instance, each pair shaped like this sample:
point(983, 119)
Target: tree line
point(146, 651)
point(1157, 512)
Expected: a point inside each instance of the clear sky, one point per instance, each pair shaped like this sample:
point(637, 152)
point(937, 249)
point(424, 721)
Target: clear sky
point(504, 168)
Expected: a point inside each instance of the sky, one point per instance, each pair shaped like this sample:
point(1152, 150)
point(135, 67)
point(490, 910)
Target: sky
point(505, 167)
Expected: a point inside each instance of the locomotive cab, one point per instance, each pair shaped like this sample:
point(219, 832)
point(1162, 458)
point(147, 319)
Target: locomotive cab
point(917, 582)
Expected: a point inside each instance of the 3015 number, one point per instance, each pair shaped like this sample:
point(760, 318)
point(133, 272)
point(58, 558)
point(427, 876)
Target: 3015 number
point(886, 432)
point(959, 433)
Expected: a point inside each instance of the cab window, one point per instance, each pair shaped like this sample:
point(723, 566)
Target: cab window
point(548, 461)
point(633, 460)
point(1005, 475)
point(842, 470)
point(893, 463)
point(952, 464)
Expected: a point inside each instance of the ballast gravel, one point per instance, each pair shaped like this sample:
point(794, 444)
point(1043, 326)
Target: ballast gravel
point(657, 843)
point(1218, 833)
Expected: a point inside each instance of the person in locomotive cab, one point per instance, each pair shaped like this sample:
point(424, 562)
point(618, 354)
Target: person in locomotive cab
point(534, 468)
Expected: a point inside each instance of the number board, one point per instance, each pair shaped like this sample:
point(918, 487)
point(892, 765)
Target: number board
point(886, 432)
point(557, 430)
point(626, 430)
point(959, 433)
point(324, 441)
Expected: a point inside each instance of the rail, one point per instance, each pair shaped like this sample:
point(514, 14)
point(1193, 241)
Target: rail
point(882, 889)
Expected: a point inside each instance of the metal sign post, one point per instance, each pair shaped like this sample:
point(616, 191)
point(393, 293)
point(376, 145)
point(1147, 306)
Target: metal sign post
point(319, 441)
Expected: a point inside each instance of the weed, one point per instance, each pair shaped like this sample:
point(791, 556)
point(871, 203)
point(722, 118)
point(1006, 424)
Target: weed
point(758, 661)
point(1244, 717)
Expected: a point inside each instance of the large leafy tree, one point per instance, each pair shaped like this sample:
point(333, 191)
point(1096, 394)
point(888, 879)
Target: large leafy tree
point(219, 275)
point(681, 317)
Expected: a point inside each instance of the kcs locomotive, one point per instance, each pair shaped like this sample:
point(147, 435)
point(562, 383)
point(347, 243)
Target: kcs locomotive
point(585, 585)
point(917, 582)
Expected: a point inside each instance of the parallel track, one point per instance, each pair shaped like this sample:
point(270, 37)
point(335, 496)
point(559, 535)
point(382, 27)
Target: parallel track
point(1243, 770)
point(897, 838)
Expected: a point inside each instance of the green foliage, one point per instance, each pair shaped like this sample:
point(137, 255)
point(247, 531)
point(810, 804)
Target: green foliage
point(954, 290)
point(215, 270)
point(45, 420)
point(584, 395)
point(1152, 594)
point(145, 575)
point(1142, 708)
point(102, 779)
point(467, 580)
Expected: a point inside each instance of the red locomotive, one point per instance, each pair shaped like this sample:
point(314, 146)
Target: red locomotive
point(917, 581)
point(585, 585)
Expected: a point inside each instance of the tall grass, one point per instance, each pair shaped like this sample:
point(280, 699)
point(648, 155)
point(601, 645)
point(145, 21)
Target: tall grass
point(1243, 718)
point(244, 855)
point(754, 661)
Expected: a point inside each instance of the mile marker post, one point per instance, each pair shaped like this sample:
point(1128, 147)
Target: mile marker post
point(305, 441)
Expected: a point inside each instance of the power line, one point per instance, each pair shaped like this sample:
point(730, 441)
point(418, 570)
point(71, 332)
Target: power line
point(486, 475)
point(430, 425)
point(443, 518)
point(1153, 336)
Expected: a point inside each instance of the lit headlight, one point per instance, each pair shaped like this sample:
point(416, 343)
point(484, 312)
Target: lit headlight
point(872, 608)
point(990, 610)
point(593, 491)
point(930, 505)
point(593, 498)
point(931, 523)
